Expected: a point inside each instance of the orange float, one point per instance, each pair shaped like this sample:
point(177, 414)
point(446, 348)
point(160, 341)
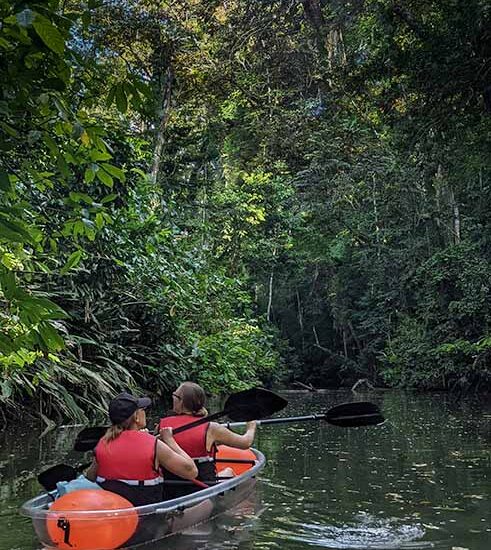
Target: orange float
point(88, 528)
point(224, 452)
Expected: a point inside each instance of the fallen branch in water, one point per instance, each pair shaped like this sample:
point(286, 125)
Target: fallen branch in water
point(308, 387)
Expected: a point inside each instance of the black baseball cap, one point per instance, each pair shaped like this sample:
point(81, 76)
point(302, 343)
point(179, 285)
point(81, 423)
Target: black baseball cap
point(124, 405)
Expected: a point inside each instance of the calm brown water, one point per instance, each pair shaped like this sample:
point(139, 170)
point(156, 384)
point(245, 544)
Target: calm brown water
point(422, 480)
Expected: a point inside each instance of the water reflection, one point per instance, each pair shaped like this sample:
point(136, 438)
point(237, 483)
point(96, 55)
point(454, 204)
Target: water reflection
point(231, 530)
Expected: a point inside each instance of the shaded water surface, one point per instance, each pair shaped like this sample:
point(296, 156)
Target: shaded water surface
point(422, 480)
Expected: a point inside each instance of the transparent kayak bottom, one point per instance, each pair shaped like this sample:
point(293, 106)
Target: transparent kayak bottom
point(131, 527)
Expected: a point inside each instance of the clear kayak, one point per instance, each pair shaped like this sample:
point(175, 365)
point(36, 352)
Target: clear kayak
point(106, 529)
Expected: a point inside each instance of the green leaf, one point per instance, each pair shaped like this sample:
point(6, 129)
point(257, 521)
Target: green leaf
point(99, 220)
point(6, 344)
point(63, 166)
point(5, 184)
point(50, 142)
point(51, 337)
point(99, 155)
point(89, 175)
point(77, 197)
point(105, 178)
point(73, 261)
point(78, 228)
point(14, 231)
point(49, 34)
point(4, 44)
point(109, 198)
point(114, 171)
point(110, 96)
point(47, 308)
point(8, 284)
point(10, 130)
point(121, 99)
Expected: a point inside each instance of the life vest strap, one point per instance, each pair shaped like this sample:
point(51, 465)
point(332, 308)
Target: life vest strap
point(134, 482)
point(201, 459)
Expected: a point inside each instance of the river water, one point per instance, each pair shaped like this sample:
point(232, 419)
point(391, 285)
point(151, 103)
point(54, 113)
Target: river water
point(421, 480)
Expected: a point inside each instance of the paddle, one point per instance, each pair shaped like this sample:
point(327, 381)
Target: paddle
point(61, 472)
point(346, 415)
point(246, 405)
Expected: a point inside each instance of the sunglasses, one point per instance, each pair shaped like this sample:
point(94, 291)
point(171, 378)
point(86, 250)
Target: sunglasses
point(177, 396)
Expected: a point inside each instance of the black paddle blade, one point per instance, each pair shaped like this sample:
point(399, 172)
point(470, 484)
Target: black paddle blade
point(349, 415)
point(88, 438)
point(253, 404)
point(50, 477)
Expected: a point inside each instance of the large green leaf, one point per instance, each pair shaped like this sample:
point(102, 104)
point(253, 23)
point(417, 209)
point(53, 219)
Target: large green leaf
point(51, 337)
point(114, 171)
point(13, 232)
point(105, 178)
point(73, 261)
point(5, 184)
point(121, 99)
point(49, 34)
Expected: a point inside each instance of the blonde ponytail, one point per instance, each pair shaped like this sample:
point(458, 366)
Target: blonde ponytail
point(114, 431)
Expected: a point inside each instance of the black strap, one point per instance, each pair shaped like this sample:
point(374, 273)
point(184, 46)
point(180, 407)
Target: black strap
point(64, 525)
point(158, 470)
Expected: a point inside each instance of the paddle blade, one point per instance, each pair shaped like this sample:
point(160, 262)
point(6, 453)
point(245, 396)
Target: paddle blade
point(349, 415)
point(88, 438)
point(253, 404)
point(50, 477)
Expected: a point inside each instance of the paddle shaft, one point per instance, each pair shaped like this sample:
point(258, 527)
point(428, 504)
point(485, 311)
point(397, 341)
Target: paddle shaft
point(289, 419)
point(285, 420)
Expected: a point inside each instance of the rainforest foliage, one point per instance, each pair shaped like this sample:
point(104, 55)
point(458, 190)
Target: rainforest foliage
point(240, 191)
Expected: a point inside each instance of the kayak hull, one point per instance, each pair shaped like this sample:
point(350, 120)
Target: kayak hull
point(155, 521)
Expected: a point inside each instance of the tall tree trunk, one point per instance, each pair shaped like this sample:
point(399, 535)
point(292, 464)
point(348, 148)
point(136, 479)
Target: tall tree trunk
point(438, 194)
point(270, 293)
point(165, 77)
point(270, 296)
point(375, 214)
point(456, 218)
point(329, 38)
point(313, 13)
point(300, 318)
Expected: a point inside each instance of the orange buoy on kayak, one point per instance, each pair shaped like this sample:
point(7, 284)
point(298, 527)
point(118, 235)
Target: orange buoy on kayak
point(224, 452)
point(91, 525)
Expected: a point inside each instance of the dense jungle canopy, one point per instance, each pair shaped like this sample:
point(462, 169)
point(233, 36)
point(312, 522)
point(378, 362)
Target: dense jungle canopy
point(236, 191)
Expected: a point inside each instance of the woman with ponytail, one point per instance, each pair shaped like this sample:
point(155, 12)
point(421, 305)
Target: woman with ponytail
point(128, 459)
point(189, 402)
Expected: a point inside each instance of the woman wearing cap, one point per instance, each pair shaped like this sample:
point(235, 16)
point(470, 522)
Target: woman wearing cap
point(189, 402)
point(128, 460)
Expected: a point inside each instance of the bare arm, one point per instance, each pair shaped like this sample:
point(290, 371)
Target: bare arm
point(165, 434)
point(171, 457)
point(217, 433)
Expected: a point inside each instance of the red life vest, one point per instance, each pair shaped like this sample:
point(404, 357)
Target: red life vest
point(131, 456)
point(192, 441)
